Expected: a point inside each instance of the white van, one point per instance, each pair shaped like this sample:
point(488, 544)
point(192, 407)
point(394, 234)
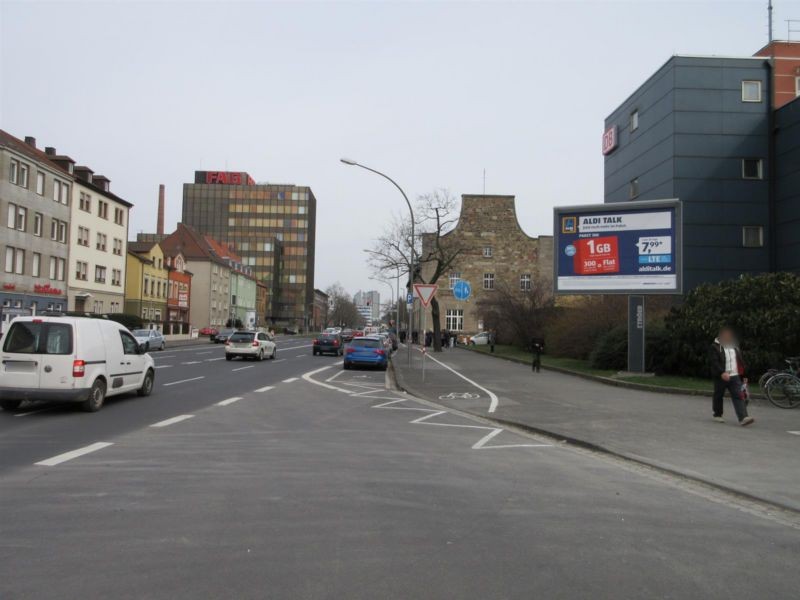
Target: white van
point(71, 359)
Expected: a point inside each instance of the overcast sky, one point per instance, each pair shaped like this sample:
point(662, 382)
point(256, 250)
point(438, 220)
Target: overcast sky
point(432, 93)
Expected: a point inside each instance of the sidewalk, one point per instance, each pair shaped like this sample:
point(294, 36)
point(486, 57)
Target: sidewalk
point(671, 431)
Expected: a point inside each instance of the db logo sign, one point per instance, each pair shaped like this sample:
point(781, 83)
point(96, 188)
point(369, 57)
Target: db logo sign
point(610, 140)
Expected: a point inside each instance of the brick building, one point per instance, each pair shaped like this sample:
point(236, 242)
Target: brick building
point(495, 252)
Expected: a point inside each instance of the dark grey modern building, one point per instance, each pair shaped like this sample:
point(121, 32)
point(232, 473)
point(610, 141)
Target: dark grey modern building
point(699, 130)
point(787, 187)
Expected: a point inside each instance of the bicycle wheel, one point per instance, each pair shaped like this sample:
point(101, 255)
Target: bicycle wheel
point(783, 390)
point(762, 382)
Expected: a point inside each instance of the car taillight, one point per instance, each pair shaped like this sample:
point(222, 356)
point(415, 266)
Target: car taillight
point(255, 343)
point(350, 350)
point(78, 368)
point(381, 352)
point(315, 342)
point(335, 342)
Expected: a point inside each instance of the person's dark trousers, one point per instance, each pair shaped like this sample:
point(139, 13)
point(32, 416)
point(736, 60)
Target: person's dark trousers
point(536, 365)
point(734, 386)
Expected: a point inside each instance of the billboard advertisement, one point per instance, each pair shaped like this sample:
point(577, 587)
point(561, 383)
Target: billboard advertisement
point(621, 248)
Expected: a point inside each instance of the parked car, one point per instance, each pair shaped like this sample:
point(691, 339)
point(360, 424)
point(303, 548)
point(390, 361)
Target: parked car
point(290, 331)
point(71, 359)
point(223, 335)
point(151, 338)
point(347, 335)
point(250, 344)
point(479, 339)
point(366, 351)
point(328, 344)
point(209, 331)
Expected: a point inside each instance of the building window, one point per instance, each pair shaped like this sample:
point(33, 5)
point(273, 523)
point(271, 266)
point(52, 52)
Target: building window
point(753, 236)
point(116, 277)
point(17, 217)
point(81, 271)
point(13, 172)
point(57, 268)
point(752, 168)
point(487, 252)
point(453, 279)
point(18, 174)
point(635, 120)
point(118, 246)
point(15, 260)
point(83, 236)
point(454, 319)
point(102, 209)
point(38, 220)
point(100, 274)
point(751, 91)
point(525, 282)
point(58, 231)
point(488, 281)
point(102, 240)
point(36, 265)
point(119, 216)
point(85, 202)
point(634, 188)
point(40, 183)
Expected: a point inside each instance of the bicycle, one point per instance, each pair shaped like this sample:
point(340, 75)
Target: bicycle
point(782, 387)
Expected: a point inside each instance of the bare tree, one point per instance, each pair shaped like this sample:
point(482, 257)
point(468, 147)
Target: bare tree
point(343, 312)
point(436, 215)
point(517, 316)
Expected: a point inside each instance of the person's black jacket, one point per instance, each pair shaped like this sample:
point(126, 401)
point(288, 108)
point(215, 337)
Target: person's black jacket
point(716, 360)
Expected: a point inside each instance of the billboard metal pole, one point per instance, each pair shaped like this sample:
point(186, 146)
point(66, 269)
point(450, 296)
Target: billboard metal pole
point(636, 334)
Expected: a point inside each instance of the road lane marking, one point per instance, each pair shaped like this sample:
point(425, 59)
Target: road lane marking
point(33, 412)
point(172, 421)
point(265, 389)
point(165, 356)
point(184, 380)
point(334, 376)
point(278, 360)
point(482, 442)
point(191, 362)
point(794, 432)
point(207, 352)
point(308, 377)
point(493, 401)
point(290, 380)
point(229, 401)
point(243, 368)
point(164, 366)
point(213, 359)
point(57, 460)
point(294, 347)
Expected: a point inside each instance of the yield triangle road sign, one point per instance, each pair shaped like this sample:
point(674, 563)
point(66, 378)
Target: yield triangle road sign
point(425, 292)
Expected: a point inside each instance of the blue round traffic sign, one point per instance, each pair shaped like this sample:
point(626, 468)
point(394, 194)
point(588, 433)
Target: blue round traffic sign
point(462, 290)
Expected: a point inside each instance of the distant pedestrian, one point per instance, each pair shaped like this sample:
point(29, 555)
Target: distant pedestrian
point(727, 370)
point(492, 338)
point(428, 338)
point(452, 340)
point(537, 346)
point(445, 339)
point(415, 337)
point(403, 337)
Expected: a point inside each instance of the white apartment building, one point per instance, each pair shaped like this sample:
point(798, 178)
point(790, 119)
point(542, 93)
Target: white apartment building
point(98, 249)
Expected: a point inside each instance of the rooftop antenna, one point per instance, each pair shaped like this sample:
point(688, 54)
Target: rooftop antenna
point(769, 13)
point(484, 182)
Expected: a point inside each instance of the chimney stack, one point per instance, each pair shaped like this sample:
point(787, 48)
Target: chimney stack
point(50, 151)
point(160, 222)
point(30, 140)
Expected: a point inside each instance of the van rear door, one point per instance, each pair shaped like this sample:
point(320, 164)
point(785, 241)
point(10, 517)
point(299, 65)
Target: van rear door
point(20, 360)
point(57, 353)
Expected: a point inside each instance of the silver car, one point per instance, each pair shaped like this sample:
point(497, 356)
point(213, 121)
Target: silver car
point(151, 338)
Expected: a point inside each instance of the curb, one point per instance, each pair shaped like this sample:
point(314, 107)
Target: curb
point(656, 389)
point(397, 382)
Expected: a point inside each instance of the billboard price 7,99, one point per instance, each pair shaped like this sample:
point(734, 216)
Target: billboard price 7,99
point(630, 248)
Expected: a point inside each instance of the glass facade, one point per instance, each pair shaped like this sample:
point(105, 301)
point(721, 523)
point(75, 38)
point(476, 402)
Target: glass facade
point(272, 227)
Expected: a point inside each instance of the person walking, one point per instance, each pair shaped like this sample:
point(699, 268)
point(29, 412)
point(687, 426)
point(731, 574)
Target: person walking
point(492, 338)
point(537, 346)
point(727, 370)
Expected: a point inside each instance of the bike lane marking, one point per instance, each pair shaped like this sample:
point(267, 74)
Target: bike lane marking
point(493, 400)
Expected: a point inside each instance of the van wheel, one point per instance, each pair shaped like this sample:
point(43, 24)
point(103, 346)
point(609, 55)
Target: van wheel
point(260, 356)
point(147, 384)
point(228, 357)
point(10, 404)
point(274, 353)
point(97, 395)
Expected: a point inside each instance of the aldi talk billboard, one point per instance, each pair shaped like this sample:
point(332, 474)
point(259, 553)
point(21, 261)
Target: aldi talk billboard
point(625, 248)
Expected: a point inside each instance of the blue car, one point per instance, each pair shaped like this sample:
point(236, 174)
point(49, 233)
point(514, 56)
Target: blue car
point(367, 352)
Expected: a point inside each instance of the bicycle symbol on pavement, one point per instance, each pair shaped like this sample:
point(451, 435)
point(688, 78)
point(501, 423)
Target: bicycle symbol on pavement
point(459, 396)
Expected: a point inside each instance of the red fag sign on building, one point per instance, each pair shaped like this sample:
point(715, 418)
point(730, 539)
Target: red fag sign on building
point(425, 292)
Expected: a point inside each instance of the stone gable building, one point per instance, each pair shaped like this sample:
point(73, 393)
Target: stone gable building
point(495, 252)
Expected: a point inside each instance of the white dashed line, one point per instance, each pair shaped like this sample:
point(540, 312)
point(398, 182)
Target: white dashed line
point(57, 460)
point(243, 368)
point(172, 421)
point(32, 412)
point(265, 389)
point(794, 432)
point(209, 352)
point(213, 359)
point(166, 356)
point(229, 401)
point(191, 362)
point(290, 380)
point(163, 366)
point(184, 380)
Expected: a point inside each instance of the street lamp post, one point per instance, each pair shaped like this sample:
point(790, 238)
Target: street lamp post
point(353, 163)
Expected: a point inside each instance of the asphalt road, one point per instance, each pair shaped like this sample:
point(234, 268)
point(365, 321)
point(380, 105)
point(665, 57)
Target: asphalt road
point(296, 479)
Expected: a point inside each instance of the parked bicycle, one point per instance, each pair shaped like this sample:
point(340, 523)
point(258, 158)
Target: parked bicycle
point(782, 386)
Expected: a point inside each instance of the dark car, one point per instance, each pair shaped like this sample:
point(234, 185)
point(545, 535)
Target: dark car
point(223, 335)
point(328, 343)
point(348, 335)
